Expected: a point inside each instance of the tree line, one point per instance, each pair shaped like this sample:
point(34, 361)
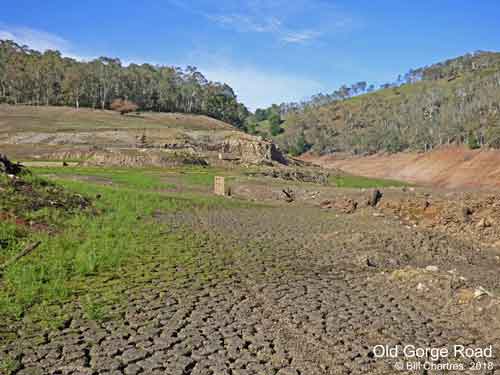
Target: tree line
point(453, 102)
point(449, 69)
point(48, 78)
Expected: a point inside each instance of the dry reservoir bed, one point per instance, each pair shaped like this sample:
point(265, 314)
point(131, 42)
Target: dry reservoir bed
point(300, 291)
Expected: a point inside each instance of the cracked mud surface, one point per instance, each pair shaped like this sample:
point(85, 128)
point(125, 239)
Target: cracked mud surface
point(308, 292)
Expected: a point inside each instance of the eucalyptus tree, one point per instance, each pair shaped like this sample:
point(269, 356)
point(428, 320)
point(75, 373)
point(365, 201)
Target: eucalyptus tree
point(31, 77)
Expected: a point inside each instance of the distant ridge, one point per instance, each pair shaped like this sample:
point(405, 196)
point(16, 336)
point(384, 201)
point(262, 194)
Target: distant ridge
point(453, 102)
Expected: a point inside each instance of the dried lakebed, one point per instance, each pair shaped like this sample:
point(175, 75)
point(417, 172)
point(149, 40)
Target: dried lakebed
point(288, 290)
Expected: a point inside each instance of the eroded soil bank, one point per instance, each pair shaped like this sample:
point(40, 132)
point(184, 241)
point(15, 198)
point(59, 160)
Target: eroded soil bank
point(448, 167)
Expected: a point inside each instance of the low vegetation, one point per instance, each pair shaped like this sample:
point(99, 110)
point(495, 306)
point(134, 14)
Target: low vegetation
point(91, 229)
point(350, 181)
point(123, 106)
point(453, 102)
point(82, 244)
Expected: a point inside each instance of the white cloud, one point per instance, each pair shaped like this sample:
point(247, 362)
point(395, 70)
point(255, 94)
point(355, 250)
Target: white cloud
point(245, 23)
point(289, 21)
point(271, 25)
point(259, 89)
point(37, 39)
point(300, 36)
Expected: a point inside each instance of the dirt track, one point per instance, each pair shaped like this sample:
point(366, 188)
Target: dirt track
point(299, 290)
point(448, 167)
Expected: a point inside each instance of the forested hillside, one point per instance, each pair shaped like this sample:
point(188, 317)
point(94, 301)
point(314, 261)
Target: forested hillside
point(35, 78)
point(454, 102)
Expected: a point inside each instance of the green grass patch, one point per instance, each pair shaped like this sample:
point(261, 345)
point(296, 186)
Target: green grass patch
point(198, 176)
point(140, 178)
point(126, 177)
point(349, 181)
point(9, 366)
point(118, 240)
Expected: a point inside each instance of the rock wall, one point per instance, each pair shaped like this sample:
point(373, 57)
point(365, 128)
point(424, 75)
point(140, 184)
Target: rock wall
point(141, 158)
point(253, 150)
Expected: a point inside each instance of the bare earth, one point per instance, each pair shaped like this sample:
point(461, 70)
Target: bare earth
point(306, 287)
point(299, 290)
point(449, 167)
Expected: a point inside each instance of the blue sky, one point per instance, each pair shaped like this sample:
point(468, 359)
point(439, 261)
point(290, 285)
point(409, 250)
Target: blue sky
point(268, 51)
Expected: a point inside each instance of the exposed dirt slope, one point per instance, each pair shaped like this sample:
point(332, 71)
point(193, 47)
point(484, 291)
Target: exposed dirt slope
point(449, 167)
point(61, 133)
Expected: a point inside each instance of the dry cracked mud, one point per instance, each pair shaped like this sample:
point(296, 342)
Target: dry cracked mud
point(300, 291)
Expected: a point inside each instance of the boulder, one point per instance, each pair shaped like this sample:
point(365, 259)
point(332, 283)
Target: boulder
point(288, 195)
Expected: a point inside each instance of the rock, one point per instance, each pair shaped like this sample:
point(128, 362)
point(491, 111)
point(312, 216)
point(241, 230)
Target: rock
point(294, 174)
point(484, 223)
point(375, 198)
point(432, 268)
point(466, 213)
point(464, 296)
point(288, 195)
point(314, 194)
point(467, 295)
point(326, 204)
point(287, 371)
point(346, 205)
point(480, 291)
point(253, 150)
point(144, 158)
point(370, 263)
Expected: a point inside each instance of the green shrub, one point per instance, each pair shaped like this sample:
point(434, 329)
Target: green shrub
point(473, 143)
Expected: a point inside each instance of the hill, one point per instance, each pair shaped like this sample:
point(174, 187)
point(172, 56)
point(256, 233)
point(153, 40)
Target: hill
point(63, 119)
point(147, 138)
point(453, 102)
point(31, 77)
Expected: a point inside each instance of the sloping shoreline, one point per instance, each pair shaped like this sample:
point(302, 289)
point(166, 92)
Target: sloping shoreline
point(449, 167)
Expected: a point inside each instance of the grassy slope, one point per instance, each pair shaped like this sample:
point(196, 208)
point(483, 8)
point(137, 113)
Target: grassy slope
point(390, 100)
point(48, 119)
point(393, 96)
point(117, 243)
